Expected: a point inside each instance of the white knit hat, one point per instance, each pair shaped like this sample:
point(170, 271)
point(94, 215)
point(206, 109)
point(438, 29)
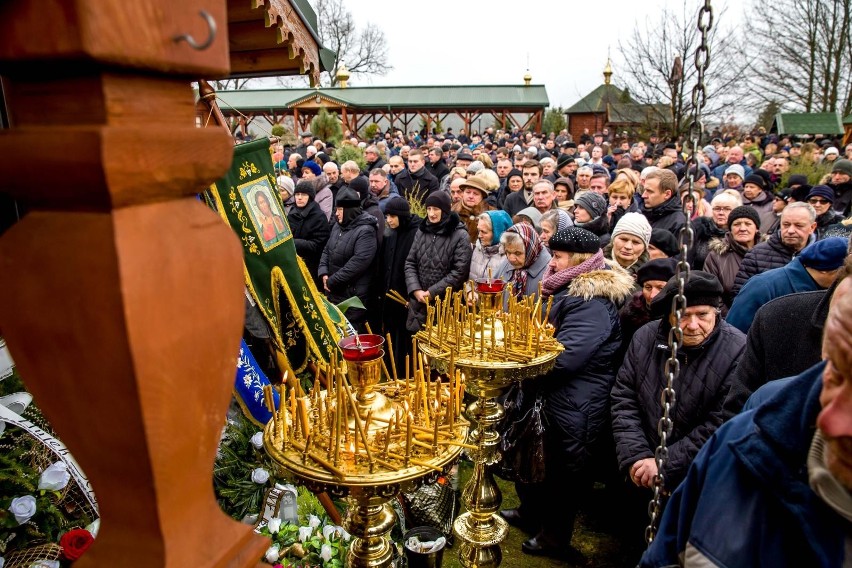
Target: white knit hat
point(634, 224)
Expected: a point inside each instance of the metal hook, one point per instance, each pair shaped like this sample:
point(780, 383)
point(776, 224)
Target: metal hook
point(211, 26)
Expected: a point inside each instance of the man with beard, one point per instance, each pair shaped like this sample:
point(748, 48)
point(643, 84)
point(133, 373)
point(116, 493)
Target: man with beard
point(382, 188)
point(786, 467)
point(522, 199)
point(416, 182)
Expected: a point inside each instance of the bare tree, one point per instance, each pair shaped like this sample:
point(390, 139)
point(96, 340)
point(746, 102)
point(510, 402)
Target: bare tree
point(363, 52)
point(801, 55)
point(232, 84)
point(659, 59)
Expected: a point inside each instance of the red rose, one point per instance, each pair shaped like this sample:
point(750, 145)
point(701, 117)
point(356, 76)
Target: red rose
point(74, 543)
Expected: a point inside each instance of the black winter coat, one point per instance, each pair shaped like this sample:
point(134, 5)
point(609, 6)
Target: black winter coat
point(347, 259)
point(577, 389)
point(764, 256)
point(420, 184)
point(310, 230)
point(843, 202)
point(396, 248)
point(706, 376)
point(825, 221)
point(439, 257)
point(668, 215)
point(705, 231)
point(785, 338)
point(439, 169)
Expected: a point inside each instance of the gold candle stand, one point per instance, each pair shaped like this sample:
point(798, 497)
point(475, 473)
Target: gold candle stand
point(367, 442)
point(492, 348)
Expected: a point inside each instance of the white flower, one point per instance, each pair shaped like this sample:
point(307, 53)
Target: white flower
point(327, 531)
point(272, 554)
point(305, 533)
point(257, 440)
point(93, 528)
point(45, 564)
point(343, 534)
point(313, 521)
point(55, 477)
point(274, 525)
point(259, 475)
point(325, 552)
point(23, 508)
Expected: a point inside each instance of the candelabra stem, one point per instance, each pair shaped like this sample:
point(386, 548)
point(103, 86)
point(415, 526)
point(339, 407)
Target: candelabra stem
point(480, 529)
point(369, 520)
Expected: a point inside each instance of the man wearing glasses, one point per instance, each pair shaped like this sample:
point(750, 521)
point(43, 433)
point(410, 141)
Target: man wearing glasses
point(821, 198)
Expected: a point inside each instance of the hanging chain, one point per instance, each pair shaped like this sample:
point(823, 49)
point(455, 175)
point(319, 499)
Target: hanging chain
point(686, 243)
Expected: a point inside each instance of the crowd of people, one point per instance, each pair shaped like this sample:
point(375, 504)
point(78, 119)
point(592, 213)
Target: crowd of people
point(595, 224)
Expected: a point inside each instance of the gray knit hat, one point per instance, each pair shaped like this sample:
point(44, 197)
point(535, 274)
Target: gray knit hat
point(592, 202)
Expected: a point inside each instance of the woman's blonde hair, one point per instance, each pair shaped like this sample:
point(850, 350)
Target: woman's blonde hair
point(485, 159)
point(458, 172)
point(622, 186)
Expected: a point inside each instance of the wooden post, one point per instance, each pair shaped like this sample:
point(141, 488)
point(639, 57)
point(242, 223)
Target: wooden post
point(121, 294)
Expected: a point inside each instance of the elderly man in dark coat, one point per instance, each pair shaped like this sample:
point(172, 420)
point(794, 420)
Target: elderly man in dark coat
point(709, 356)
point(349, 255)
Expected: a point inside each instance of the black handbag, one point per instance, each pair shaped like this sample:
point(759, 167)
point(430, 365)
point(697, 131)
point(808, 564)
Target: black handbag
point(523, 440)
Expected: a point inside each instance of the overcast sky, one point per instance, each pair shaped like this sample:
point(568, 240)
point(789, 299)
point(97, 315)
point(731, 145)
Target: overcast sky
point(484, 43)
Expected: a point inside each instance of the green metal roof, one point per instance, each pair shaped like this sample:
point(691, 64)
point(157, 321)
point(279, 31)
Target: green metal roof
point(807, 123)
point(417, 97)
point(848, 119)
point(596, 101)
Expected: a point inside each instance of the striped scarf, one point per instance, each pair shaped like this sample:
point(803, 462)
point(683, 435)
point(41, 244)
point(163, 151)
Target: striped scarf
point(532, 248)
point(555, 281)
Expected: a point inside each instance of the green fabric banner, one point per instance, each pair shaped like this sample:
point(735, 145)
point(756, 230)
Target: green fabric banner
point(303, 322)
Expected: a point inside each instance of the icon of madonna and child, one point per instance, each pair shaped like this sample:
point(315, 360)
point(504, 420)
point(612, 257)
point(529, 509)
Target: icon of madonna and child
point(266, 214)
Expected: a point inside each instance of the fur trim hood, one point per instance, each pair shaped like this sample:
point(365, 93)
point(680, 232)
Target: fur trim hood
point(726, 244)
point(612, 283)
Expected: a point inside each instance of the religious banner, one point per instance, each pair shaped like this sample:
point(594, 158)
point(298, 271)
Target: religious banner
point(277, 279)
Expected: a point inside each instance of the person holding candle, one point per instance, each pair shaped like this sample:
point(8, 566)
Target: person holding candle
point(525, 264)
point(586, 291)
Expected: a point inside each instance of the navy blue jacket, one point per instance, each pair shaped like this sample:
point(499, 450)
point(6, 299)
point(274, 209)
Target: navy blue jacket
point(766, 286)
point(746, 500)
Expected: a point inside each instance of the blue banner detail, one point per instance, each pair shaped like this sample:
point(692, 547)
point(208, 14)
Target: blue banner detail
point(248, 387)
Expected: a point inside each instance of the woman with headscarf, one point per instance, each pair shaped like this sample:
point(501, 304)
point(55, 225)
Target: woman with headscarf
point(584, 313)
point(348, 256)
point(309, 227)
point(487, 253)
point(628, 247)
point(525, 264)
point(553, 221)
